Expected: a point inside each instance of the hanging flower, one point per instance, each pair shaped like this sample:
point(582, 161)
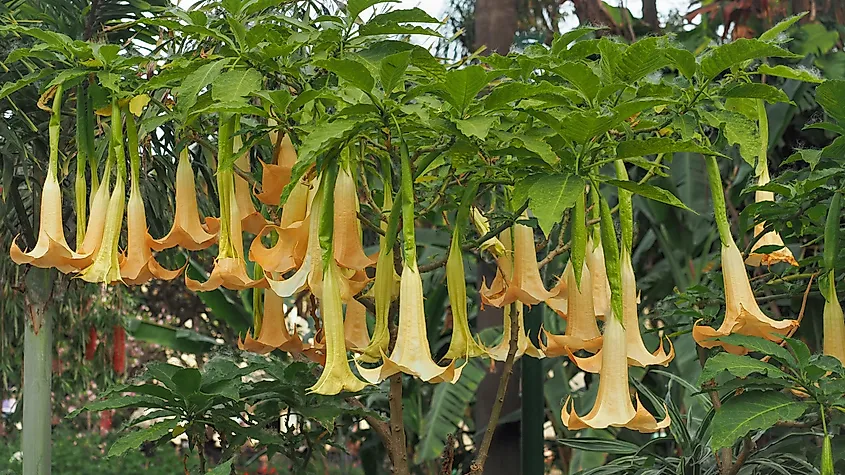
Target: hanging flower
point(106, 265)
point(638, 354)
point(291, 244)
point(613, 406)
point(601, 287)
point(347, 245)
point(834, 323)
point(742, 314)
point(462, 345)
point(187, 231)
point(771, 238)
point(272, 331)
point(576, 306)
point(355, 325)
point(275, 176)
point(523, 283)
point(524, 345)
point(337, 375)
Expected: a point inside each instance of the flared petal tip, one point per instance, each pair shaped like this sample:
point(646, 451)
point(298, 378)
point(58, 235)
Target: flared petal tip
point(559, 345)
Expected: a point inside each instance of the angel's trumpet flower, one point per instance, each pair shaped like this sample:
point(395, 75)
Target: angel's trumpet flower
point(100, 207)
point(613, 406)
point(275, 176)
point(482, 225)
point(291, 234)
point(638, 355)
point(524, 345)
point(742, 314)
point(462, 345)
point(106, 265)
point(834, 323)
point(51, 249)
point(337, 375)
point(582, 333)
point(601, 287)
point(251, 220)
point(524, 282)
point(139, 265)
point(411, 354)
point(187, 231)
point(355, 325)
point(771, 238)
point(272, 331)
point(348, 249)
point(229, 267)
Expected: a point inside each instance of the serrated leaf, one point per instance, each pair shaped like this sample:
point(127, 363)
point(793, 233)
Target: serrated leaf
point(655, 145)
point(133, 440)
point(581, 76)
point(753, 410)
point(755, 90)
point(462, 85)
point(477, 126)
point(788, 72)
point(774, 32)
point(550, 195)
point(737, 365)
point(532, 144)
point(811, 157)
point(739, 130)
point(195, 82)
point(831, 96)
point(651, 192)
point(736, 52)
point(232, 86)
point(392, 70)
point(350, 71)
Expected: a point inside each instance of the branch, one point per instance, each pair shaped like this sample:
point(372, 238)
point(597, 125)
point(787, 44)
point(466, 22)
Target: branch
point(561, 245)
point(747, 445)
point(477, 467)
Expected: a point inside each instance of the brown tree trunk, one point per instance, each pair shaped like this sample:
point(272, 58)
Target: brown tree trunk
point(504, 455)
point(592, 12)
point(495, 25)
point(650, 14)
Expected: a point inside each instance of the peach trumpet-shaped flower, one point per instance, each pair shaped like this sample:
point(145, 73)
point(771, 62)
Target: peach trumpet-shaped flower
point(601, 286)
point(275, 176)
point(518, 279)
point(337, 376)
point(411, 353)
point(251, 220)
point(613, 406)
point(51, 249)
point(638, 354)
point(229, 267)
point(355, 325)
point(462, 345)
point(771, 238)
point(96, 226)
point(139, 265)
point(347, 245)
point(742, 314)
point(524, 345)
point(576, 306)
point(187, 231)
point(834, 323)
point(291, 244)
point(106, 265)
point(272, 331)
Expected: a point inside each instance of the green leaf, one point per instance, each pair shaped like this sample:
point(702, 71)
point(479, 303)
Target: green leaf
point(634, 62)
point(375, 29)
point(447, 411)
point(651, 192)
point(683, 60)
point(12, 87)
point(350, 71)
point(774, 32)
point(831, 96)
point(755, 90)
point(737, 365)
point(133, 440)
point(760, 345)
point(119, 402)
point(477, 126)
point(739, 130)
point(581, 76)
point(233, 86)
point(224, 468)
point(195, 82)
point(462, 85)
point(605, 446)
point(179, 339)
point(410, 15)
point(736, 52)
point(550, 195)
point(810, 156)
point(355, 7)
point(753, 410)
point(655, 145)
point(187, 381)
point(392, 70)
point(532, 144)
point(580, 127)
point(787, 72)
point(561, 42)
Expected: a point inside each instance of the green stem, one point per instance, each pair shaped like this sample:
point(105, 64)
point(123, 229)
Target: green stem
point(595, 215)
point(626, 209)
point(225, 181)
point(133, 144)
point(407, 186)
point(82, 157)
point(117, 138)
point(55, 126)
point(720, 211)
point(763, 120)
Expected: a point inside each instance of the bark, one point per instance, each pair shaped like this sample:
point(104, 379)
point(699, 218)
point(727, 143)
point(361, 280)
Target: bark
point(495, 25)
point(650, 14)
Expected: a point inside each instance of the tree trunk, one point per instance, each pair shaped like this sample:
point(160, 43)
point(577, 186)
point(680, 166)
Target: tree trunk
point(504, 455)
point(650, 14)
point(495, 25)
point(37, 372)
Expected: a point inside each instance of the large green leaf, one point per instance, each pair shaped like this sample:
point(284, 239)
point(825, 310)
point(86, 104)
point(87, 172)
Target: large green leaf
point(738, 130)
point(760, 345)
point(179, 339)
point(752, 410)
point(595, 444)
point(233, 86)
point(12, 87)
point(392, 70)
point(550, 195)
point(119, 402)
point(755, 90)
point(477, 126)
point(651, 192)
point(736, 52)
point(448, 409)
point(737, 365)
point(831, 96)
point(462, 85)
point(355, 7)
point(189, 90)
point(133, 440)
point(788, 72)
point(350, 71)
